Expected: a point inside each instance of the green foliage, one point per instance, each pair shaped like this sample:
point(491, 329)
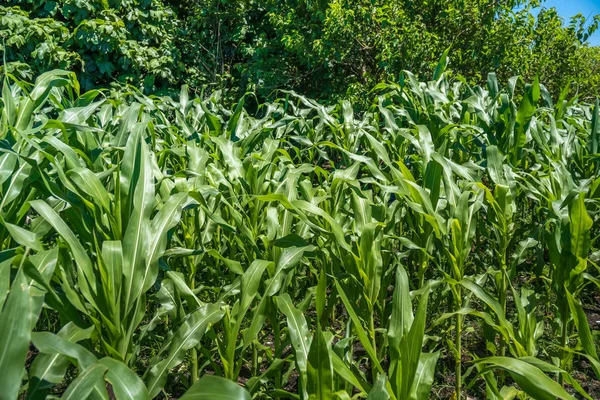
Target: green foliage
point(105, 41)
point(177, 247)
point(340, 48)
point(324, 49)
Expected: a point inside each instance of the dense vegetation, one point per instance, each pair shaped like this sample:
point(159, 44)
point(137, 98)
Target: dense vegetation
point(445, 241)
point(254, 199)
point(323, 49)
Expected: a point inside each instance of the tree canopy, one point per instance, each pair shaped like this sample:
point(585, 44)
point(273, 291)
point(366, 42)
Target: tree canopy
point(322, 48)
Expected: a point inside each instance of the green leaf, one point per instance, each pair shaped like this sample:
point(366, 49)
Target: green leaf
point(379, 391)
point(291, 240)
point(411, 348)
point(421, 385)
point(49, 369)
point(298, 331)
point(360, 331)
point(290, 257)
point(340, 368)
point(24, 237)
point(187, 336)
point(89, 183)
point(583, 328)
point(319, 368)
point(16, 184)
point(250, 283)
point(9, 104)
point(8, 161)
point(211, 387)
point(16, 321)
point(441, 67)
point(85, 383)
point(49, 343)
point(87, 278)
point(580, 226)
point(400, 322)
point(320, 299)
point(166, 219)
point(125, 383)
point(531, 380)
point(138, 235)
point(594, 138)
point(230, 154)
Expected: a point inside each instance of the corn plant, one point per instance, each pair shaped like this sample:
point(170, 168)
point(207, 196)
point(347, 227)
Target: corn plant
point(153, 247)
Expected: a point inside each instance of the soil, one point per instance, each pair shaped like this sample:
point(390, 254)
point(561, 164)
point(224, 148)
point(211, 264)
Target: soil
point(591, 386)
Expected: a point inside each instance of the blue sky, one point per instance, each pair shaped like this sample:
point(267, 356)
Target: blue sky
point(568, 8)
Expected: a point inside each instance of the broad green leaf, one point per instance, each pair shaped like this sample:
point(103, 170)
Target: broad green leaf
point(583, 327)
point(379, 391)
point(340, 368)
point(17, 318)
point(138, 235)
point(125, 383)
point(411, 348)
point(8, 161)
point(87, 280)
point(298, 331)
point(290, 257)
point(360, 331)
point(533, 381)
point(9, 109)
point(211, 387)
point(421, 385)
point(48, 343)
point(187, 336)
point(89, 183)
point(49, 369)
point(319, 368)
point(83, 386)
point(580, 225)
point(24, 237)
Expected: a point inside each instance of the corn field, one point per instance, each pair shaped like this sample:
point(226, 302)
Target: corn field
point(441, 244)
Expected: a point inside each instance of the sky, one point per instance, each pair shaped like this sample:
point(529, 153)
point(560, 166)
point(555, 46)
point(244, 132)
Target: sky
point(569, 8)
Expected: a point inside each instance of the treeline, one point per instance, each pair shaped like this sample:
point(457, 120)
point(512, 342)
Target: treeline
point(325, 49)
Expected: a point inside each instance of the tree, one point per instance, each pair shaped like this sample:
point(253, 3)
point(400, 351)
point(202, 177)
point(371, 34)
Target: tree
point(326, 49)
point(105, 41)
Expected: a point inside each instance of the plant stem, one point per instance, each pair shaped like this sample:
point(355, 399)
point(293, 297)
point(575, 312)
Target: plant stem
point(458, 368)
point(502, 297)
point(254, 360)
point(374, 344)
point(422, 267)
point(194, 365)
point(563, 339)
point(192, 285)
point(503, 286)
point(277, 352)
